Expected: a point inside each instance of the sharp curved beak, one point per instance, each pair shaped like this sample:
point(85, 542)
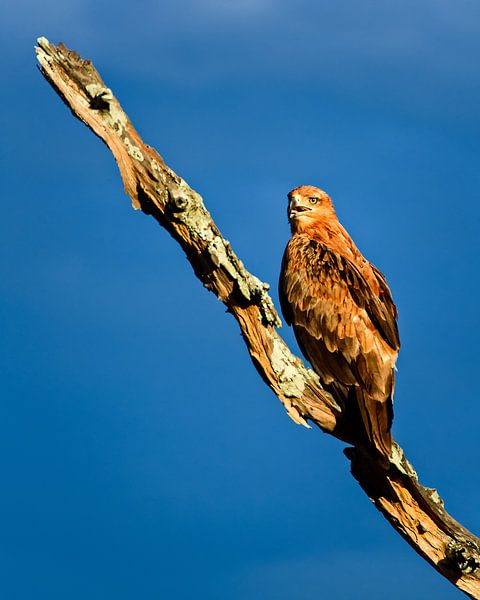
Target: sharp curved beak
point(294, 208)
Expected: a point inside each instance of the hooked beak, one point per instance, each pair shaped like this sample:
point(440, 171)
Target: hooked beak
point(294, 209)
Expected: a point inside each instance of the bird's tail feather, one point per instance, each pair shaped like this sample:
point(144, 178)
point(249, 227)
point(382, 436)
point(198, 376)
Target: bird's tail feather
point(370, 419)
point(377, 416)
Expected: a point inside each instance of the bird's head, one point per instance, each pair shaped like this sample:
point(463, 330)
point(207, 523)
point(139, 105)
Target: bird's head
point(307, 205)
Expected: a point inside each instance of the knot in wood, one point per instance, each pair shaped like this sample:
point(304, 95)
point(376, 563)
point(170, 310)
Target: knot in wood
point(178, 202)
point(465, 558)
point(100, 96)
point(100, 102)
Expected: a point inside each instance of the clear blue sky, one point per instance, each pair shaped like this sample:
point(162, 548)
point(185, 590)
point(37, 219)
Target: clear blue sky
point(141, 455)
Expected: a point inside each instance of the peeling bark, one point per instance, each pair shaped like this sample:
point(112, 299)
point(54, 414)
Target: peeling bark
point(414, 511)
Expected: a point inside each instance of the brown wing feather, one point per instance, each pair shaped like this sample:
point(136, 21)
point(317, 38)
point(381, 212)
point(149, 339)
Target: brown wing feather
point(345, 327)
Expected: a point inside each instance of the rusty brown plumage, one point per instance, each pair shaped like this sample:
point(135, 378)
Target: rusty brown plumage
point(343, 315)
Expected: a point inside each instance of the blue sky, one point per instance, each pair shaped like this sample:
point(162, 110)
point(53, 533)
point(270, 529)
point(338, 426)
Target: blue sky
point(142, 456)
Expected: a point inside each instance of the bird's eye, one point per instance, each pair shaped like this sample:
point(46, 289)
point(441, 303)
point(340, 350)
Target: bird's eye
point(313, 199)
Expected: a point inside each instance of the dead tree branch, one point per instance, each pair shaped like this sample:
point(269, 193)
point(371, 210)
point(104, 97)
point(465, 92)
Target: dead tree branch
point(415, 512)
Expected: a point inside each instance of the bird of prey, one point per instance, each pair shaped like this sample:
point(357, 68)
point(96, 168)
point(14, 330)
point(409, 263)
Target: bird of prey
point(343, 315)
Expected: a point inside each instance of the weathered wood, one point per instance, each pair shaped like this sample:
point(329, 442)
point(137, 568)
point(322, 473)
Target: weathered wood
point(416, 512)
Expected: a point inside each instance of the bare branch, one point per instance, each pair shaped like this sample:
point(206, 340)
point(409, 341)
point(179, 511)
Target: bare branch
point(416, 512)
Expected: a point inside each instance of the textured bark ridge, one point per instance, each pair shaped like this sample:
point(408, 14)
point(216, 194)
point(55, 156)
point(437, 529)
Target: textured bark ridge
point(416, 512)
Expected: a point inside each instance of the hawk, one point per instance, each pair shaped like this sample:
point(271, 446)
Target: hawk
point(343, 315)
